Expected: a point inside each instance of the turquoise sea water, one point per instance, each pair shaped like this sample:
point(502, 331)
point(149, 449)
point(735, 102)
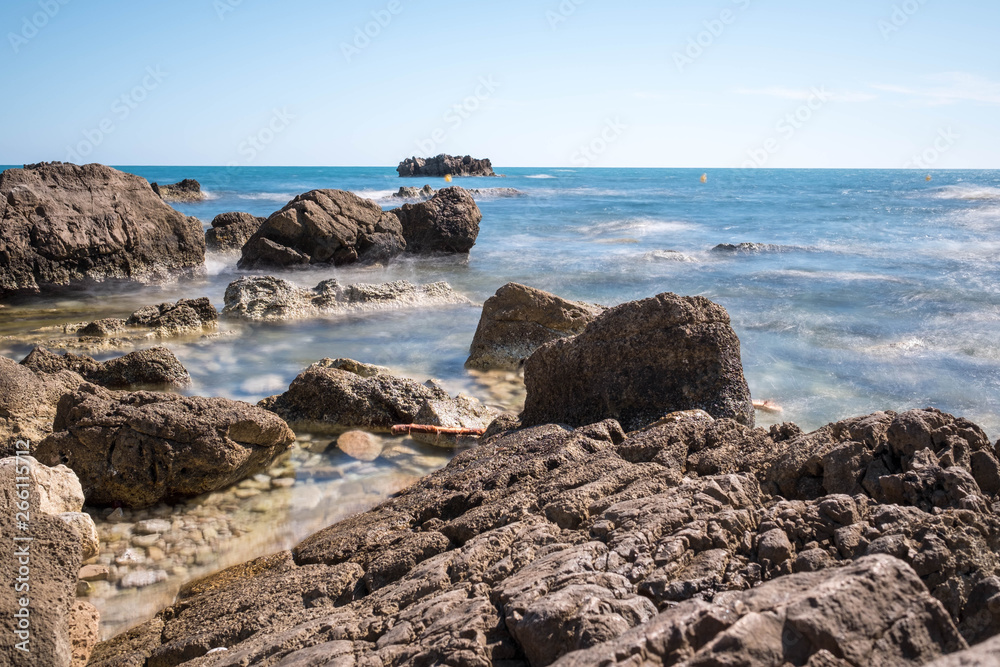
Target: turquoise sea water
point(885, 293)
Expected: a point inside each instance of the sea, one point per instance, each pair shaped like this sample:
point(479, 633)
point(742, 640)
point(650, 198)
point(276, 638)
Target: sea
point(874, 289)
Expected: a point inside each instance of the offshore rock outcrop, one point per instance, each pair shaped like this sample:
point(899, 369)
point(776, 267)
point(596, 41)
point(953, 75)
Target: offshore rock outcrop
point(445, 165)
point(64, 225)
point(590, 546)
point(186, 190)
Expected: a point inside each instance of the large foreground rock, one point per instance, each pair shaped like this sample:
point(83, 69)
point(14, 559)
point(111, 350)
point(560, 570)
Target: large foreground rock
point(270, 299)
point(518, 320)
point(145, 447)
point(28, 402)
point(63, 225)
point(324, 227)
point(638, 362)
point(654, 548)
point(231, 231)
point(335, 395)
point(445, 165)
point(447, 222)
point(155, 367)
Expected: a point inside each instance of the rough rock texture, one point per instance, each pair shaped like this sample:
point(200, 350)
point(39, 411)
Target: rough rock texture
point(54, 490)
point(986, 654)
point(187, 316)
point(187, 190)
point(518, 320)
point(426, 192)
point(447, 222)
point(639, 361)
point(324, 227)
point(338, 395)
point(63, 225)
point(84, 631)
point(155, 367)
point(231, 231)
point(28, 402)
point(659, 547)
point(749, 248)
point(445, 165)
point(144, 447)
point(271, 299)
point(422, 194)
point(459, 412)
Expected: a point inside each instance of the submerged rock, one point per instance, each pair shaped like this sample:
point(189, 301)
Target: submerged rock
point(448, 222)
point(272, 299)
point(638, 362)
point(64, 225)
point(324, 227)
point(749, 248)
point(445, 165)
point(518, 320)
point(187, 190)
point(145, 447)
point(155, 367)
point(339, 395)
point(231, 231)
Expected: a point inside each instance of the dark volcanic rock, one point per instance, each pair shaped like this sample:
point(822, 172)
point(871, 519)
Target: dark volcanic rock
point(448, 222)
point(638, 362)
point(187, 190)
point(231, 231)
point(155, 367)
point(445, 165)
point(407, 192)
point(518, 320)
point(145, 447)
point(63, 225)
point(324, 227)
point(748, 248)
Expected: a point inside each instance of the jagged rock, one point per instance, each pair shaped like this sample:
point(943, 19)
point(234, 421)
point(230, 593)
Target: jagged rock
point(186, 190)
point(270, 299)
point(445, 165)
point(103, 328)
point(518, 320)
point(324, 227)
point(155, 367)
point(28, 402)
point(639, 361)
point(459, 412)
point(423, 193)
point(748, 248)
point(231, 231)
point(447, 222)
point(335, 396)
point(161, 321)
point(144, 447)
point(54, 490)
point(66, 225)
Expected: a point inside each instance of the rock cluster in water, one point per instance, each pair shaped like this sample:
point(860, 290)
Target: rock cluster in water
point(445, 165)
point(187, 190)
point(66, 225)
point(426, 192)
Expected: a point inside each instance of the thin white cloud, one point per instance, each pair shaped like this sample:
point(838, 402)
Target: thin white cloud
point(805, 94)
point(948, 88)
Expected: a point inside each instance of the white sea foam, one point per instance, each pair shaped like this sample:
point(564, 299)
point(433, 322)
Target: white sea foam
point(376, 195)
point(269, 196)
point(540, 176)
point(638, 227)
point(207, 194)
point(667, 256)
point(843, 276)
point(968, 193)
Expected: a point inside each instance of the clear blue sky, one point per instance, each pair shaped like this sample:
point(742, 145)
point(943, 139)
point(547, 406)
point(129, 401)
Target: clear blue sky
point(619, 78)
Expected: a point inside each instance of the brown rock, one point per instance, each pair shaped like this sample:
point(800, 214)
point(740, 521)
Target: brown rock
point(84, 631)
point(28, 402)
point(445, 165)
point(447, 222)
point(155, 367)
point(186, 190)
point(231, 231)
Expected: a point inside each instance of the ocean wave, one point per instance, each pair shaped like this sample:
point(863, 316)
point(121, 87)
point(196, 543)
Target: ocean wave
point(841, 276)
point(206, 194)
point(667, 256)
point(269, 196)
point(376, 195)
point(540, 176)
point(968, 193)
point(638, 226)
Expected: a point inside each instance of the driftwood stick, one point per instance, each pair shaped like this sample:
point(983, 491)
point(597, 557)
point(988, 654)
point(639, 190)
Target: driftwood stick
point(406, 429)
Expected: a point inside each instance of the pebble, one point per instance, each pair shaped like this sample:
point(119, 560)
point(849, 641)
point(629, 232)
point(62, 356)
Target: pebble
point(146, 540)
point(94, 572)
point(283, 483)
point(155, 554)
point(360, 445)
point(247, 493)
point(143, 578)
point(83, 589)
point(128, 558)
point(150, 526)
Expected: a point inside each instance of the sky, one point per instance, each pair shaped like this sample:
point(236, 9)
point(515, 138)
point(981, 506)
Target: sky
point(576, 83)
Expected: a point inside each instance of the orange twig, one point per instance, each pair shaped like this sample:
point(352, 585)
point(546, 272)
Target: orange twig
point(406, 429)
point(768, 406)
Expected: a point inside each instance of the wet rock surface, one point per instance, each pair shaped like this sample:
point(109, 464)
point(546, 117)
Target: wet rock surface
point(448, 222)
point(139, 448)
point(155, 367)
point(638, 362)
point(269, 299)
point(231, 231)
point(518, 320)
point(445, 165)
point(426, 192)
point(66, 225)
point(593, 546)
